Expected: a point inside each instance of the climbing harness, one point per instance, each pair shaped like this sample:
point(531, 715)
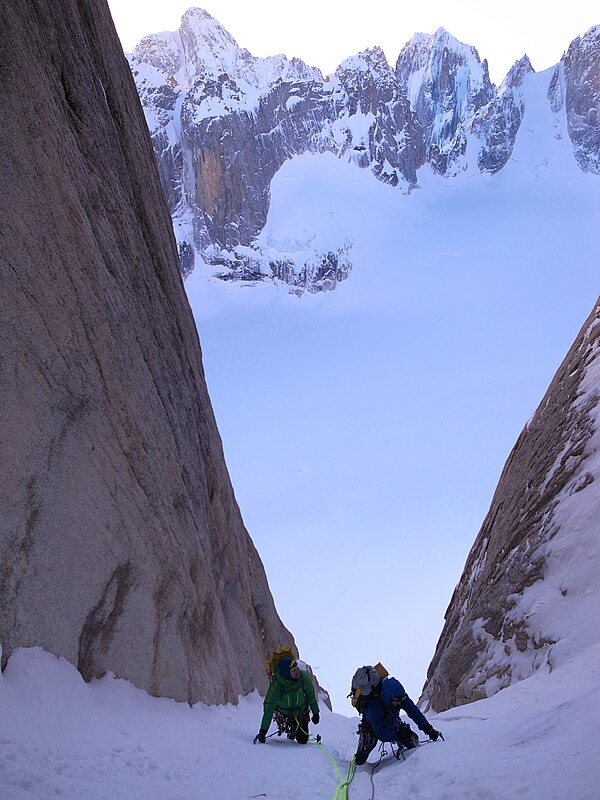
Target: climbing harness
point(285, 724)
point(366, 741)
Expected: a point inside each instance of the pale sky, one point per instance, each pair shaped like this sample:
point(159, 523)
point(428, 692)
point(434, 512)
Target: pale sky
point(325, 33)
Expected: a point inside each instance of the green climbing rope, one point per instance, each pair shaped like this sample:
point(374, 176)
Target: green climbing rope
point(341, 793)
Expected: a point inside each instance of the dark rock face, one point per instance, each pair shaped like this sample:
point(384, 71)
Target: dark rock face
point(394, 147)
point(498, 123)
point(454, 84)
point(233, 159)
point(582, 87)
point(491, 638)
point(121, 544)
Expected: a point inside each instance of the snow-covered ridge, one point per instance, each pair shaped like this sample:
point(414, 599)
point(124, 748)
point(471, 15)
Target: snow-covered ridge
point(202, 48)
point(425, 57)
point(223, 123)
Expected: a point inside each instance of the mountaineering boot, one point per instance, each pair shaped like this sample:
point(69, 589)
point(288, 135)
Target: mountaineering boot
point(302, 729)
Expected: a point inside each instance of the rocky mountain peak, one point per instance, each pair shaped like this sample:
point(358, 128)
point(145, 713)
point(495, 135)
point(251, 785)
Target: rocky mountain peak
point(441, 59)
point(516, 74)
point(225, 123)
point(203, 49)
point(211, 50)
point(446, 84)
point(371, 60)
point(369, 82)
point(205, 27)
point(162, 51)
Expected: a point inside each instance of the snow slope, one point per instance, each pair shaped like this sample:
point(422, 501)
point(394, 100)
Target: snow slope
point(60, 737)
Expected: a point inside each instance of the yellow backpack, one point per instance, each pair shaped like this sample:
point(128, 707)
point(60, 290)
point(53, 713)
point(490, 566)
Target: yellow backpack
point(278, 654)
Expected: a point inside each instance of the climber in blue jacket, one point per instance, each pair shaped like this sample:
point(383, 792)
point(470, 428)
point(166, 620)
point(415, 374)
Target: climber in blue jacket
point(380, 701)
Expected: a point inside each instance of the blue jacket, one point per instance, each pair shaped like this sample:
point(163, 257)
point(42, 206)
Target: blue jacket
point(383, 716)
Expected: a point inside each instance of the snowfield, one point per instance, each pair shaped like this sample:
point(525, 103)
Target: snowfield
point(107, 740)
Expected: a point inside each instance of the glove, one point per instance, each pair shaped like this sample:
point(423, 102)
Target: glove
point(261, 737)
point(432, 733)
point(316, 718)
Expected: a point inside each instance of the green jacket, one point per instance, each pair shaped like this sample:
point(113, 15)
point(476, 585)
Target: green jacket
point(290, 697)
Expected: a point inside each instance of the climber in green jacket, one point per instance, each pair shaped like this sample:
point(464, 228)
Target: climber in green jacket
point(291, 698)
